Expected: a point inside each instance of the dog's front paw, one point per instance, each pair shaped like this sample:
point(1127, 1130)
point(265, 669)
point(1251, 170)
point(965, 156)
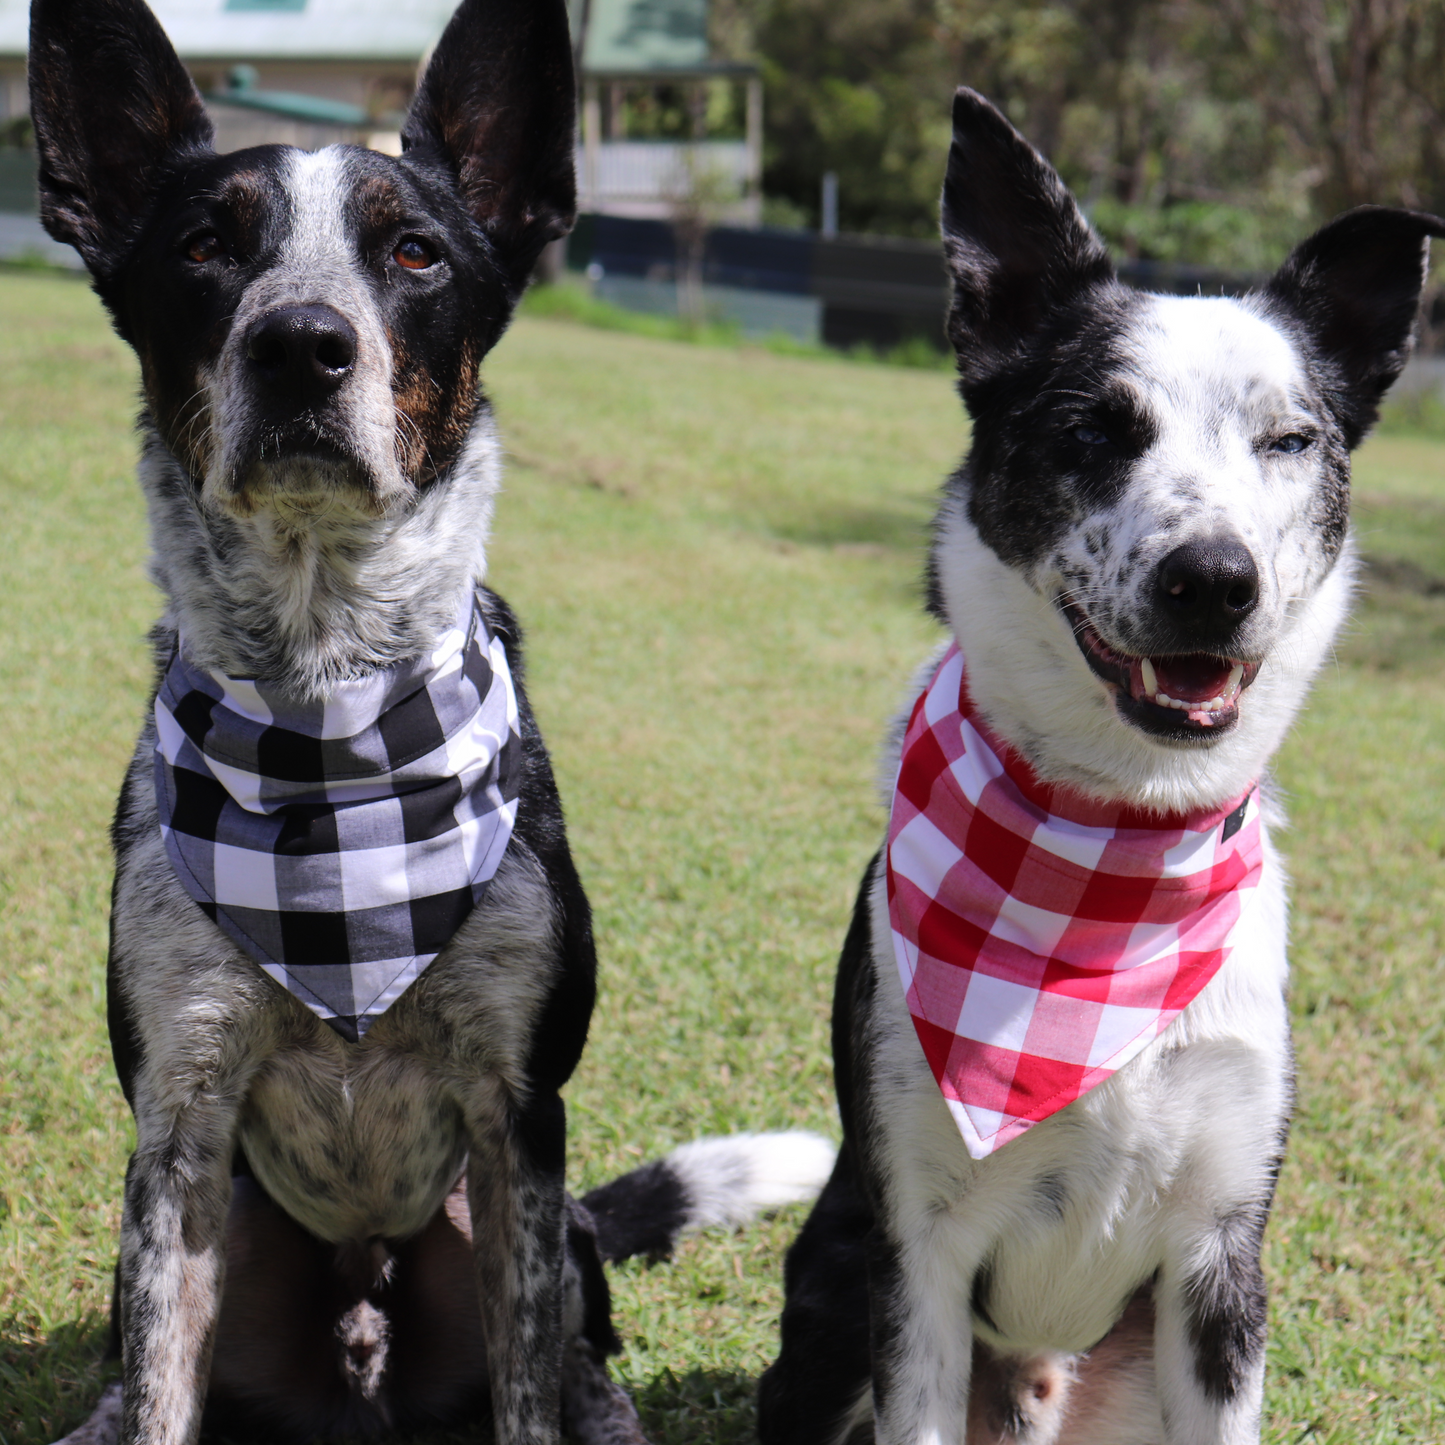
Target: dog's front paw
point(103, 1427)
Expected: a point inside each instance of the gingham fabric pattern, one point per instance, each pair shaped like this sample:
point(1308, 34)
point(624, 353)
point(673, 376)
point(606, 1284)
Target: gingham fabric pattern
point(1043, 940)
point(341, 843)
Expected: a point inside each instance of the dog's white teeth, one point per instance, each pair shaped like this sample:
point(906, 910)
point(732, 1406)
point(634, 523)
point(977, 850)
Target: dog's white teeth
point(1149, 678)
point(1215, 704)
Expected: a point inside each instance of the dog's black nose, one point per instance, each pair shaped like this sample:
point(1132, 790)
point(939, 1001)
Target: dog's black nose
point(1209, 586)
point(303, 353)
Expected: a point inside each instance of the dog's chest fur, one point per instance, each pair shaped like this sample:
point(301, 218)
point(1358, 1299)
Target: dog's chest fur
point(1070, 1218)
point(1055, 1232)
point(308, 548)
point(319, 466)
point(1144, 561)
point(353, 1140)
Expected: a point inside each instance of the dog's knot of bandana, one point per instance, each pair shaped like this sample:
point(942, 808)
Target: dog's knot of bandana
point(1043, 940)
point(342, 842)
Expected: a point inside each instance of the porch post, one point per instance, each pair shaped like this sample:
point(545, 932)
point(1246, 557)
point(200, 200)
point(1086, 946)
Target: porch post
point(591, 144)
point(754, 188)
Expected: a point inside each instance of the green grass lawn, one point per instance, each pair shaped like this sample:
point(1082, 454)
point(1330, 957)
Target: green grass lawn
point(717, 551)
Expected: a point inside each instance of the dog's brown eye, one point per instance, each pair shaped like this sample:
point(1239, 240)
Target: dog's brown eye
point(414, 253)
point(205, 247)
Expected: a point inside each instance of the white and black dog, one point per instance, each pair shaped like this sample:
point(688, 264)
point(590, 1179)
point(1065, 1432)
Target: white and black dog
point(351, 963)
point(1142, 563)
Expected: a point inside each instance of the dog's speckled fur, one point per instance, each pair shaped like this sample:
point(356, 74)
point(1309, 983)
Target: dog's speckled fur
point(1097, 1280)
point(322, 1237)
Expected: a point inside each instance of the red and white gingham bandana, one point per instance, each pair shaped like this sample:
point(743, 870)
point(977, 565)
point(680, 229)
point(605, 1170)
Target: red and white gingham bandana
point(1044, 939)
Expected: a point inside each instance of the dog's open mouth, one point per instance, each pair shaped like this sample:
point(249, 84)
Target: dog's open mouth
point(1173, 694)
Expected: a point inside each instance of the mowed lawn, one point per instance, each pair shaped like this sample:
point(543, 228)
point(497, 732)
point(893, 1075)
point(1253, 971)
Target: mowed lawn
point(717, 553)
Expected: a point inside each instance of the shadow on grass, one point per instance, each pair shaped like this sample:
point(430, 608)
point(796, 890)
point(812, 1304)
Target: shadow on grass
point(702, 1407)
point(1398, 625)
point(1401, 575)
point(898, 529)
point(49, 1385)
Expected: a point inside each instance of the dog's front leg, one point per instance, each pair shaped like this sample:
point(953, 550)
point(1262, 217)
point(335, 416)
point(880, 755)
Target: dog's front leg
point(1209, 1338)
point(518, 1206)
point(172, 1263)
point(922, 1334)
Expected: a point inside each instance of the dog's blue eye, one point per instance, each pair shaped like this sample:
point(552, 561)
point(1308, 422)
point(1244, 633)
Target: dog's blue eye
point(1091, 436)
point(1290, 444)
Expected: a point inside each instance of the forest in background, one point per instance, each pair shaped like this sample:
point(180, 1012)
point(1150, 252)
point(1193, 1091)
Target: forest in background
point(1208, 131)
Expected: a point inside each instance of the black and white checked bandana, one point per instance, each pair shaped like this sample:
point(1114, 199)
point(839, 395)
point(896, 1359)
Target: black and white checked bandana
point(343, 842)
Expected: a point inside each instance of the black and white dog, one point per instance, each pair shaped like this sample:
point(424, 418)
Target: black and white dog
point(351, 962)
point(1031, 1236)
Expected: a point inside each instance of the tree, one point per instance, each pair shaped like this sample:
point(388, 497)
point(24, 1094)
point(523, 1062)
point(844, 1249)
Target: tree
point(1360, 86)
point(1210, 132)
point(859, 88)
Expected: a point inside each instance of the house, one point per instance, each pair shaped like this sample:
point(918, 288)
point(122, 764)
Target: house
point(662, 124)
point(292, 72)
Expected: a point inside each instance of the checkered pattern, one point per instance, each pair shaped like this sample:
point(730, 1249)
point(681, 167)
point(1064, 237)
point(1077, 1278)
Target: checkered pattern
point(342, 842)
point(1042, 939)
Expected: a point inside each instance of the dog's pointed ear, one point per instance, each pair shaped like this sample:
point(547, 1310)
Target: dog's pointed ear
point(497, 107)
point(1355, 287)
point(1015, 242)
point(112, 107)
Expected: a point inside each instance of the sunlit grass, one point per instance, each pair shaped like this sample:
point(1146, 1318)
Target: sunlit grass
point(716, 552)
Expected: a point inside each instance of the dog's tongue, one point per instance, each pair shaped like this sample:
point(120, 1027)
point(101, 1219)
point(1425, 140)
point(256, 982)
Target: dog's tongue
point(1195, 677)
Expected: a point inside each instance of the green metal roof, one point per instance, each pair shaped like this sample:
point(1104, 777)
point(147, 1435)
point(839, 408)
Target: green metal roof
point(635, 36)
point(241, 91)
point(624, 37)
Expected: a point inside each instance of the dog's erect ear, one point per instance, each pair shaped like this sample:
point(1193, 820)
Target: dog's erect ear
point(1355, 285)
point(1014, 240)
point(497, 106)
point(112, 106)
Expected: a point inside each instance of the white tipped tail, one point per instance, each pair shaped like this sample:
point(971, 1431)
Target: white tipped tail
point(709, 1183)
point(731, 1180)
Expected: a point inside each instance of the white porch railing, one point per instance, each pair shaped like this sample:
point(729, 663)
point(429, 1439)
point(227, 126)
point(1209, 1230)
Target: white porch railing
point(652, 179)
